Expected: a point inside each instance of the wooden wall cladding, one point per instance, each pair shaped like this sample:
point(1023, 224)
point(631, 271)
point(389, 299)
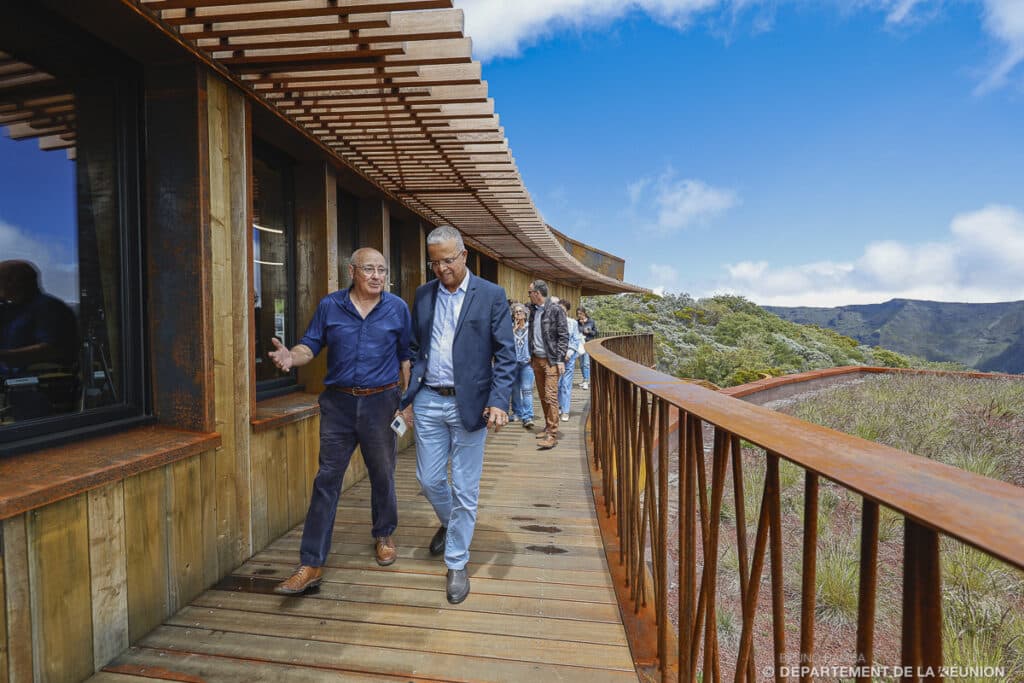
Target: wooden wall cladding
point(228, 126)
point(83, 577)
point(516, 283)
point(284, 463)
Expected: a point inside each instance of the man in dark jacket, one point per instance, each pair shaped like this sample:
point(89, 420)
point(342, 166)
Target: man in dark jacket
point(549, 341)
point(461, 382)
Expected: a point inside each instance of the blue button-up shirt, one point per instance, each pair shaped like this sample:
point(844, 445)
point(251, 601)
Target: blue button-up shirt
point(440, 366)
point(361, 352)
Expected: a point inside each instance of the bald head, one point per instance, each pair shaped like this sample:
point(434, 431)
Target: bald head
point(359, 256)
point(369, 273)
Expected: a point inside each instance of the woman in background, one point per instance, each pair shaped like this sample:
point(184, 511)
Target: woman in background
point(565, 381)
point(522, 388)
point(588, 330)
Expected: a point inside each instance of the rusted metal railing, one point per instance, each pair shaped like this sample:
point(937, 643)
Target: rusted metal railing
point(640, 417)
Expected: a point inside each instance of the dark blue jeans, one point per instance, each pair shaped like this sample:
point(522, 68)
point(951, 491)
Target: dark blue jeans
point(345, 422)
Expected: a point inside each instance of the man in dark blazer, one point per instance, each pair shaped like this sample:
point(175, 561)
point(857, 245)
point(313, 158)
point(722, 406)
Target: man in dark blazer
point(463, 370)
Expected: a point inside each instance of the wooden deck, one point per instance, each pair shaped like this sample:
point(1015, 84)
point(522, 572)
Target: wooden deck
point(542, 607)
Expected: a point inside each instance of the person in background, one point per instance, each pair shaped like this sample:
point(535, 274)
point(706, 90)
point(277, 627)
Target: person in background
point(565, 381)
point(549, 342)
point(588, 330)
point(522, 389)
point(35, 327)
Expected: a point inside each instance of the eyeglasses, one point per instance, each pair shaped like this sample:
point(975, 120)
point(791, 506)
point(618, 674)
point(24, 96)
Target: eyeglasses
point(444, 262)
point(370, 270)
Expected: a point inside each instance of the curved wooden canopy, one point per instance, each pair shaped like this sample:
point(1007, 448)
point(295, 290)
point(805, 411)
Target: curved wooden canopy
point(391, 88)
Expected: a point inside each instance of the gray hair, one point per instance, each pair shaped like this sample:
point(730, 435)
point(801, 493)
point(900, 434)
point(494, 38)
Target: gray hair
point(540, 286)
point(446, 233)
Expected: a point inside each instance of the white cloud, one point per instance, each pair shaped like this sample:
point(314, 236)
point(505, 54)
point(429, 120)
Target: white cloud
point(501, 28)
point(667, 205)
point(1004, 21)
point(979, 261)
point(59, 276)
point(662, 278)
point(900, 11)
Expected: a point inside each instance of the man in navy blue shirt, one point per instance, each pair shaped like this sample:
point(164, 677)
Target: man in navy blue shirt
point(367, 332)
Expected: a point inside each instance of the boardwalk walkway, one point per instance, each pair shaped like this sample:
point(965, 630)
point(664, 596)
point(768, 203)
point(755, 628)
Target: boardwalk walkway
point(542, 607)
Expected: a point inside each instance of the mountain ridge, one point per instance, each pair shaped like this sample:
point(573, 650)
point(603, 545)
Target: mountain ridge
point(987, 336)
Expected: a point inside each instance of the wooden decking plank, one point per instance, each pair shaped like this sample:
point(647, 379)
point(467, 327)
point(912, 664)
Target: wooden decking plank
point(410, 638)
point(389, 611)
point(538, 590)
point(235, 670)
point(542, 605)
point(379, 658)
point(418, 536)
point(539, 553)
point(477, 569)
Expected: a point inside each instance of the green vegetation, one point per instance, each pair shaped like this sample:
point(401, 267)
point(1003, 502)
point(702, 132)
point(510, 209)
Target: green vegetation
point(728, 340)
point(977, 425)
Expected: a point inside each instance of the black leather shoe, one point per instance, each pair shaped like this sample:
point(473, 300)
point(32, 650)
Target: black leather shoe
point(437, 542)
point(458, 585)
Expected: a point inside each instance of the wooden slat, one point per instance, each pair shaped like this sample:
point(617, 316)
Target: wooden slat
point(239, 137)
point(277, 481)
point(145, 510)
point(108, 572)
point(4, 676)
point(296, 473)
point(18, 609)
point(185, 516)
point(223, 315)
point(208, 511)
point(61, 598)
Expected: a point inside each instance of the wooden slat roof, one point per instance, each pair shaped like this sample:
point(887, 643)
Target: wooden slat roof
point(35, 105)
point(391, 88)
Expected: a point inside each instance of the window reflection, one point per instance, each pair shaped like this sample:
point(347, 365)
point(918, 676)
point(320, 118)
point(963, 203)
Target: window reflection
point(60, 258)
point(272, 238)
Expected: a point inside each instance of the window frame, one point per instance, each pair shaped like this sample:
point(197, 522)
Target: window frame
point(278, 159)
point(135, 405)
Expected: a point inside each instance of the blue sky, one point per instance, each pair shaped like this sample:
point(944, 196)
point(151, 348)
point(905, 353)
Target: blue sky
point(798, 152)
point(795, 152)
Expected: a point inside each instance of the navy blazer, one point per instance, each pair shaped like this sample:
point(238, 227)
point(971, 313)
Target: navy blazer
point(484, 352)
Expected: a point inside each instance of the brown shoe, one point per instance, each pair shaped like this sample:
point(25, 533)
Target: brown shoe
point(385, 549)
point(301, 581)
point(545, 444)
point(545, 434)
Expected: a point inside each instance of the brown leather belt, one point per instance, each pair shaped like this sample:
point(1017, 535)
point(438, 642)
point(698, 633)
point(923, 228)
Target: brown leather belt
point(363, 391)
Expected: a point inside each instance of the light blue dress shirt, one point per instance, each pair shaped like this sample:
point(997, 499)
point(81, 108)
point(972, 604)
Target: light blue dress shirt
point(440, 367)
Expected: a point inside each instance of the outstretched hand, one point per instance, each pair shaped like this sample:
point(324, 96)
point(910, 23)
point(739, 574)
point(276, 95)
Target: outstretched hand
point(281, 356)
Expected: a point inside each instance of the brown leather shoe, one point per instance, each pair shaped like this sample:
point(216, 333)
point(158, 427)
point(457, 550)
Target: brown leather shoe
point(385, 549)
point(301, 581)
point(545, 434)
point(545, 444)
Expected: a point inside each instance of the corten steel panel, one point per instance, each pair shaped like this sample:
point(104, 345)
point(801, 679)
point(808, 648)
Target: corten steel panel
point(179, 252)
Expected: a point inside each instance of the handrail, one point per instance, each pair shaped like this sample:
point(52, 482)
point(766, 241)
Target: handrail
point(631, 406)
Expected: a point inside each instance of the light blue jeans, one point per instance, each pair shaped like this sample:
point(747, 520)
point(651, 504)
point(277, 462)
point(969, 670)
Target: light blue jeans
point(585, 366)
point(522, 392)
point(440, 439)
point(565, 385)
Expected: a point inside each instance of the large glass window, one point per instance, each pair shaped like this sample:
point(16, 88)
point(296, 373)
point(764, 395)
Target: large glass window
point(70, 324)
point(273, 249)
